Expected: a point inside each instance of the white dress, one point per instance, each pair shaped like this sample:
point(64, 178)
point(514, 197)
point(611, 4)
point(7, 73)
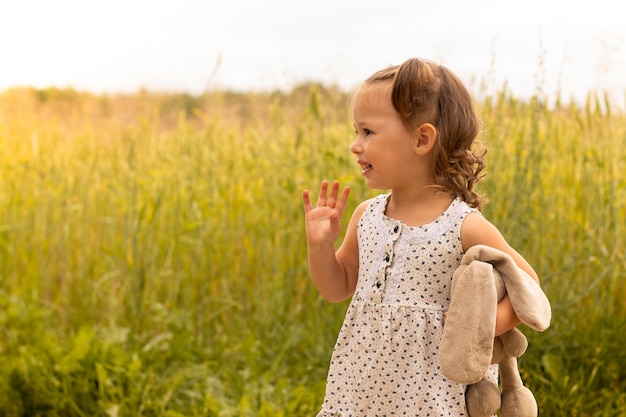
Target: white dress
point(385, 361)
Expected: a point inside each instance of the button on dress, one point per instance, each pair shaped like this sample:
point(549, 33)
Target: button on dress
point(385, 361)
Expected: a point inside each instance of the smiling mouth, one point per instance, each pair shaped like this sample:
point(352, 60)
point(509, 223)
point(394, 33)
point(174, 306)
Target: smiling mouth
point(365, 167)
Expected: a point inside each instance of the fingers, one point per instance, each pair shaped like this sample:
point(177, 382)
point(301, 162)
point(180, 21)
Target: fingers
point(341, 203)
point(336, 201)
point(332, 198)
point(326, 199)
point(321, 199)
point(306, 199)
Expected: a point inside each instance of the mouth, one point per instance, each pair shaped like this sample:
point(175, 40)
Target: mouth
point(365, 166)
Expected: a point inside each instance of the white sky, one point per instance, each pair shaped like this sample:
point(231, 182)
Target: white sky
point(122, 45)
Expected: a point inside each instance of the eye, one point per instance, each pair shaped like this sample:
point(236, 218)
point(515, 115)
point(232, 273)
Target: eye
point(364, 131)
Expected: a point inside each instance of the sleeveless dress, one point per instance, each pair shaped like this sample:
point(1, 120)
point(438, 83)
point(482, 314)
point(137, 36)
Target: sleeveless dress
point(385, 361)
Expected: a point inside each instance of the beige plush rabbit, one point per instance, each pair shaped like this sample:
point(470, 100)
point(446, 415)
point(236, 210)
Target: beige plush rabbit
point(469, 345)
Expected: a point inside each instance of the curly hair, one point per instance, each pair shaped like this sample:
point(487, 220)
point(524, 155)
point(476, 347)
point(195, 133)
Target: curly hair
point(426, 92)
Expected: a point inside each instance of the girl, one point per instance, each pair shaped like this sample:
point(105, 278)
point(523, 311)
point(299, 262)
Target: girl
point(415, 125)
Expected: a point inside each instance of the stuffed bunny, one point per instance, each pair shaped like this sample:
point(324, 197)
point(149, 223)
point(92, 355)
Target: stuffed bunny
point(469, 345)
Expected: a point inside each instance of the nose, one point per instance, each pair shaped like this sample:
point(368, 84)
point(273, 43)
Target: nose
point(356, 147)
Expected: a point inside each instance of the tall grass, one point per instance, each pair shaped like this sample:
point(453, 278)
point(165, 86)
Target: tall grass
point(152, 251)
point(558, 192)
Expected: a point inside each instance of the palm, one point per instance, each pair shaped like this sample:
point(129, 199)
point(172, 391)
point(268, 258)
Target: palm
point(323, 221)
point(322, 225)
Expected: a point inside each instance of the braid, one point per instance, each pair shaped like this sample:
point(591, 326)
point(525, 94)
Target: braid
point(459, 158)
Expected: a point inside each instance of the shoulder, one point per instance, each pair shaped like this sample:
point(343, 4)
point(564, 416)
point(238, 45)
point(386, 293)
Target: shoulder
point(373, 205)
point(360, 209)
point(348, 252)
point(368, 205)
point(477, 230)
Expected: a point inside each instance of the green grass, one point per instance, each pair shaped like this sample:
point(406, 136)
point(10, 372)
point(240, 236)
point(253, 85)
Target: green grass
point(153, 257)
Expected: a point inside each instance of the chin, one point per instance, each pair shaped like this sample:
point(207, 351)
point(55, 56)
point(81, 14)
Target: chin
point(374, 186)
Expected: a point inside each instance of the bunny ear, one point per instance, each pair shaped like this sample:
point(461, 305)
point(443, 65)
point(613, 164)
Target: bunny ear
point(477, 285)
point(467, 342)
point(527, 298)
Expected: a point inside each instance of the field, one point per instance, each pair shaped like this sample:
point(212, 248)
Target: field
point(153, 257)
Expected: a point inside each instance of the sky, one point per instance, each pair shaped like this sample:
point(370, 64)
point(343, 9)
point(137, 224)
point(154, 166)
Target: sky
point(533, 47)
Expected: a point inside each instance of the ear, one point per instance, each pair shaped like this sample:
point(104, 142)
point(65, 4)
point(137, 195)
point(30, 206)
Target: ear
point(426, 135)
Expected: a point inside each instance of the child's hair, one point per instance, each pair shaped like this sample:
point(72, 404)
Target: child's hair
point(426, 92)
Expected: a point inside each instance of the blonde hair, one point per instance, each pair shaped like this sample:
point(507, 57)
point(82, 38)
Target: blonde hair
point(426, 92)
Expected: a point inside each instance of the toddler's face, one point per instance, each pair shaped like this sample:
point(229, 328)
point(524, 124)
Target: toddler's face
point(384, 147)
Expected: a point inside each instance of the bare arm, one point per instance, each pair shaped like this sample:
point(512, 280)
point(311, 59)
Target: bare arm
point(476, 230)
point(333, 273)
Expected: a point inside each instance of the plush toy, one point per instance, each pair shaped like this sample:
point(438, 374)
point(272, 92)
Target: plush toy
point(469, 345)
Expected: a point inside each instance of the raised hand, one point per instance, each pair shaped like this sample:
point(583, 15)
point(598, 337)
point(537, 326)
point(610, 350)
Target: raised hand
point(323, 221)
